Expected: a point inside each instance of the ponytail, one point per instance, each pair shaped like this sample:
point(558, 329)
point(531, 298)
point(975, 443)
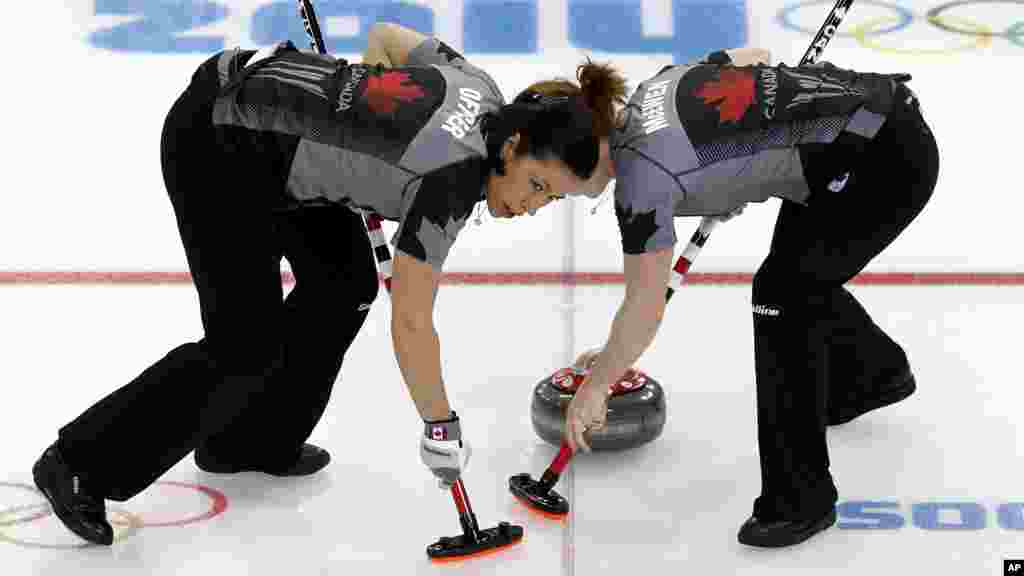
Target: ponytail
point(560, 119)
point(602, 88)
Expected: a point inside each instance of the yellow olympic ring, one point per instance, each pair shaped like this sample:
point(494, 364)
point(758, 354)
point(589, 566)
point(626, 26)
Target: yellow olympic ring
point(129, 521)
point(982, 39)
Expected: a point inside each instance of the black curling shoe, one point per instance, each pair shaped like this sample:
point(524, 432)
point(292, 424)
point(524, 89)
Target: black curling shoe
point(83, 513)
point(311, 460)
point(782, 533)
point(899, 389)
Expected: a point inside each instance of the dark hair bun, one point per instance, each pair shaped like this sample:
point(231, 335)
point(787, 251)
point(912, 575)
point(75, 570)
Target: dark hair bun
point(558, 118)
point(560, 127)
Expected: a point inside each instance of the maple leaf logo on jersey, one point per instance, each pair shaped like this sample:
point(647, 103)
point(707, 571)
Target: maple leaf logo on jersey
point(384, 93)
point(449, 54)
point(636, 228)
point(732, 93)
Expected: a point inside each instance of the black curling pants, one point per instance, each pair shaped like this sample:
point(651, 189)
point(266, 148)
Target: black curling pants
point(252, 389)
point(814, 343)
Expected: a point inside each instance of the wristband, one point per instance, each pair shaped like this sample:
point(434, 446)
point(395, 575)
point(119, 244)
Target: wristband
point(443, 430)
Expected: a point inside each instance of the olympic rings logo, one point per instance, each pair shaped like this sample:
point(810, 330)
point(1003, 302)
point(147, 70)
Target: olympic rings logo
point(124, 523)
point(946, 17)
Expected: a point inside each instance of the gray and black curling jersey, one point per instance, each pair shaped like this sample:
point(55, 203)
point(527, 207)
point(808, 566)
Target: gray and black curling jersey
point(706, 138)
point(401, 142)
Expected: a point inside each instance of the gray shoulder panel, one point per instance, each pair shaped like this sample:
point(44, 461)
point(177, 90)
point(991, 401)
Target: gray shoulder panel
point(453, 133)
point(644, 199)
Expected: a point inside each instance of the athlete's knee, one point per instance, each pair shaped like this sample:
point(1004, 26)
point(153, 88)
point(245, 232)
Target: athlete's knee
point(340, 295)
point(777, 292)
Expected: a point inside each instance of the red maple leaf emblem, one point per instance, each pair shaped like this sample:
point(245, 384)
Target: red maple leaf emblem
point(385, 92)
point(732, 94)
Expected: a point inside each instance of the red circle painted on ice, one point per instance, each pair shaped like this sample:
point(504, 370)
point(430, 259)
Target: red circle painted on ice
point(218, 504)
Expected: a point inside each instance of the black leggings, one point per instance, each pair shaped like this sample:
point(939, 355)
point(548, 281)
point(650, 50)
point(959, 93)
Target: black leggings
point(254, 387)
point(814, 344)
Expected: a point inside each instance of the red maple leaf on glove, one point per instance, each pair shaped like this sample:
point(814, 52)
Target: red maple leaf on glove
point(732, 94)
point(384, 92)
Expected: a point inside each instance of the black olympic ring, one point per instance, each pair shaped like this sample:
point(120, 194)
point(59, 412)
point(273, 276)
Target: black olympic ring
point(125, 523)
point(936, 16)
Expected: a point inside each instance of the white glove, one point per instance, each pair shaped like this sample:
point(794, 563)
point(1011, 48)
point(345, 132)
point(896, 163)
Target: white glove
point(443, 450)
point(730, 215)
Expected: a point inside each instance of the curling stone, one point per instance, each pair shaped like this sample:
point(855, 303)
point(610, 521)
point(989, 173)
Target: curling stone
point(636, 409)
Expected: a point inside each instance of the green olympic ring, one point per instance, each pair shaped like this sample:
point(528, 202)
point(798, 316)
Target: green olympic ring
point(978, 39)
point(866, 33)
point(1015, 33)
